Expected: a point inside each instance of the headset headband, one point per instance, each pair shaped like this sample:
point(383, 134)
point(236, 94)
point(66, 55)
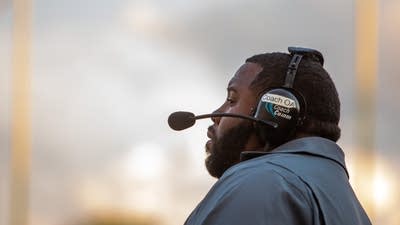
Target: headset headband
point(311, 53)
point(297, 54)
point(292, 70)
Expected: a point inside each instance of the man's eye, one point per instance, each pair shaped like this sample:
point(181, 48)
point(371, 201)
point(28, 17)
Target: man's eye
point(230, 100)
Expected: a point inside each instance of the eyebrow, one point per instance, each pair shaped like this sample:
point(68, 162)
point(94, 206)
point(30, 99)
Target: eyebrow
point(231, 88)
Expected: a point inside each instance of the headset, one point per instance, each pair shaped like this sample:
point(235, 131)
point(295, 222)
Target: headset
point(284, 105)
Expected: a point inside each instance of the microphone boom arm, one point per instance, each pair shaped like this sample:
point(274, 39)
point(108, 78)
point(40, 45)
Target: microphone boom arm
point(269, 123)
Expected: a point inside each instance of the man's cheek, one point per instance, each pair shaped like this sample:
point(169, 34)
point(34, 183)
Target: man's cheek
point(225, 124)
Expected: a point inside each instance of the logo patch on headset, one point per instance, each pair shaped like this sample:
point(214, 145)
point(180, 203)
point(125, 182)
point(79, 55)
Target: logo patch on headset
point(270, 109)
point(278, 100)
point(277, 105)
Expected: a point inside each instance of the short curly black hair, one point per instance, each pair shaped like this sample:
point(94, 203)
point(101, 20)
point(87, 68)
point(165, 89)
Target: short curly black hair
point(313, 82)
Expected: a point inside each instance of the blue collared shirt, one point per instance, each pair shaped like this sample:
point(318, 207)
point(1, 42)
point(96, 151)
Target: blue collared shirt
point(304, 181)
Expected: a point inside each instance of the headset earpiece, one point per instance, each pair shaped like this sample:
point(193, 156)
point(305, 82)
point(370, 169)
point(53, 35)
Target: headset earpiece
point(284, 105)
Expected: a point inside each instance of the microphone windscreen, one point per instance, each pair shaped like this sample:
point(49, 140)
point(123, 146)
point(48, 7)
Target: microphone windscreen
point(181, 120)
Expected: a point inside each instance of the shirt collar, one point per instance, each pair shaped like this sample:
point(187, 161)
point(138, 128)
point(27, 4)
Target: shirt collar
point(316, 146)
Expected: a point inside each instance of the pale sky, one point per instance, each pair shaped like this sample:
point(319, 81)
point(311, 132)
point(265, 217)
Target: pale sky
point(106, 75)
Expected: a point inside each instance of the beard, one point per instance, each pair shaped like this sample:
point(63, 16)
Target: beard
point(224, 152)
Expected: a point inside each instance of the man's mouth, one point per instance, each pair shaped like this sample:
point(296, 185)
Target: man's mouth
point(208, 146)
point(210, 132)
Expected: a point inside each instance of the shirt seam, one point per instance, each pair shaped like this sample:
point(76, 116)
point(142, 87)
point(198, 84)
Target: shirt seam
point(291, 183)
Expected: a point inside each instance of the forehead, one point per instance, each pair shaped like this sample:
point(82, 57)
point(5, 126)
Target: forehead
point(245, 75)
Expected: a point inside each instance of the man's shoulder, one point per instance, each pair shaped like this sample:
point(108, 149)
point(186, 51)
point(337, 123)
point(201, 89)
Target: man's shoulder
point(253, 193)
point(261, 175)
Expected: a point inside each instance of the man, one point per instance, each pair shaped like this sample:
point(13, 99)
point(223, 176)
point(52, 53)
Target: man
point(286, 169)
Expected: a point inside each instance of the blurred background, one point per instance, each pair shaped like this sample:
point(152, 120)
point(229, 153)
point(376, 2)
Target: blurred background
point(99, 79)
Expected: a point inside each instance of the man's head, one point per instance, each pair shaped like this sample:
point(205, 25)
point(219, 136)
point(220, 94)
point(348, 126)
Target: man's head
point(230, 136)
point(312, 82)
